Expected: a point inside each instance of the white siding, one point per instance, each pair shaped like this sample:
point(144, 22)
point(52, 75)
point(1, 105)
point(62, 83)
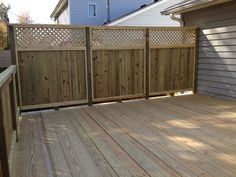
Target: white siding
point(149, 17)
point(119, 8)
point(64, 17)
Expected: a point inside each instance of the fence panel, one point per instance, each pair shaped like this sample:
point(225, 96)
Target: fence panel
point(172, 60)
point(65, 65)
point(52, 65)
point(118, 63)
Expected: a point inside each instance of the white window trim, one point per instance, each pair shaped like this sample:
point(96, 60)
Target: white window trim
point(95, 10)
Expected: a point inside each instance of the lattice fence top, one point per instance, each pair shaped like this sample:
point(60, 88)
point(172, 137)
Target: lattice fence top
point(118, 37)
point(49, 37)
point(162, 37)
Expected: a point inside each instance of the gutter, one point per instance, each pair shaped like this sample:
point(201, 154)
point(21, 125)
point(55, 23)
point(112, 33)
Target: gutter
point(180, 20)
point(61, 4)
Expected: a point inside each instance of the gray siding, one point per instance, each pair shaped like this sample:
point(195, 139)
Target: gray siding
point(217, 49)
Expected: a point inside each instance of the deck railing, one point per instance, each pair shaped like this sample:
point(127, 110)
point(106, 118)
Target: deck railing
point(65, 65)
point(8, 118)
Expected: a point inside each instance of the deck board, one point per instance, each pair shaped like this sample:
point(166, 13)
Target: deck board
point(185, 136)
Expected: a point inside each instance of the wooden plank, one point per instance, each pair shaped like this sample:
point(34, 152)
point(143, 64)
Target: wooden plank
point(32, 156)
point(171, 69)
point(196, 57)
point(64, 82)
point(160, 120)
point(148, 161)
point(78, 159)
point(137, 130)
point(59, 159)
point(6, 74)
point(101, 163)
point(121, 162)
point(4, 138)
point(89, 66)
point(1, 175)
point(205, 130)
point(118, 73)
point(147, 65)
point(173, 136)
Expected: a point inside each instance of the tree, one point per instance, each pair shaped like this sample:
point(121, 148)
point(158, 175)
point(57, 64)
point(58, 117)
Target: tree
point(4, 13)
point(24, 18)
point(4, 20)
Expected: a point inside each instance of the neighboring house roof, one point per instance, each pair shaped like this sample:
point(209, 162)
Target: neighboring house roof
point(136, 12)
point(190, 5)
point(59, 8)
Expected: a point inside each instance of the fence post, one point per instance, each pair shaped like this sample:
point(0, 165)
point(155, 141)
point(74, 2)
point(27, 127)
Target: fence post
point(3, 152)
point(14, 110)
point(89, 66)
point(147, 59)
point(12, 38)
point(12, 44)
point(195, 73)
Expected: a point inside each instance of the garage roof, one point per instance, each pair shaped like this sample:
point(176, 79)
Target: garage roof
point(190, 5)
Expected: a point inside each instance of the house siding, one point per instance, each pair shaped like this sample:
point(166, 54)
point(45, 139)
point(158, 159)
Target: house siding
point(152, 17)
point(122, 7)
point(79, 12)
point(217, 49)
point(64, 17)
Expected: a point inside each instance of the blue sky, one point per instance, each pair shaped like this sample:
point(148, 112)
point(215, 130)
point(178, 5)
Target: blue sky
point(39, 10)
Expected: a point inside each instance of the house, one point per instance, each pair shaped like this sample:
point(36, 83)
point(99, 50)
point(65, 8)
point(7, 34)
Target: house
point(92, 12)
point(149, 15)
point(216, 73)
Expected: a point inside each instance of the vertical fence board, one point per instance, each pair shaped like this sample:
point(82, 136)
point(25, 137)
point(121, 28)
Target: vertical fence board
point(118, 73)
point(171, 69)
point(88, 64)
point(52, 76)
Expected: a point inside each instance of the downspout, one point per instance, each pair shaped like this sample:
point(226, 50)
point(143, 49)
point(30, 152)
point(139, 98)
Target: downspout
point(108, 11)
point(173, 17)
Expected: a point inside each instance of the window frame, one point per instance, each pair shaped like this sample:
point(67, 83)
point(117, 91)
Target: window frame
point(95, 5)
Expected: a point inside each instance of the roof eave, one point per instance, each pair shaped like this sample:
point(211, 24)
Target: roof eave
point(61, 4)
point(192, 6)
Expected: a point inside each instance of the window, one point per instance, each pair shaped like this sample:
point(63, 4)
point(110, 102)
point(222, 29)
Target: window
point(92, 11)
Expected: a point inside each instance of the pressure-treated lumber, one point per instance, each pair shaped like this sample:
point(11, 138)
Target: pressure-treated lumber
point(8, 118)
point(183, 136)
point(71, 65)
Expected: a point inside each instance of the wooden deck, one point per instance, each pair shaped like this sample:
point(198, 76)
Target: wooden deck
point(174, 136)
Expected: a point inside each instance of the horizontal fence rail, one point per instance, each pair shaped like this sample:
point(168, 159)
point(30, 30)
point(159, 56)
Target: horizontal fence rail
point(8, 118)
point(65, 65)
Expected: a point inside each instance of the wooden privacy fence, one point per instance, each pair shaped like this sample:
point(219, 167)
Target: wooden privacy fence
point(8, 118)
point(65, 65)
